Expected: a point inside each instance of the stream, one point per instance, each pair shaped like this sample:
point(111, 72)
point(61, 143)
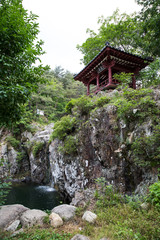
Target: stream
point(34, 196)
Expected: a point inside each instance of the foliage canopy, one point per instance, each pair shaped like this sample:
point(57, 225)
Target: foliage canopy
point(19, 50)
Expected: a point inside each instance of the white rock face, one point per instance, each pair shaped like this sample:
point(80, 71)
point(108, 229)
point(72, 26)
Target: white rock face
point(89, 217)
point(43, 135)
point(80, 237)
point(68, 175)
point(9, 156)
point(55, 220)
point(65, 211)
point(31, 217)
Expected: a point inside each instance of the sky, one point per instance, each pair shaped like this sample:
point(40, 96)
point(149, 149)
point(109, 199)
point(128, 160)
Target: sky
point(63, 25)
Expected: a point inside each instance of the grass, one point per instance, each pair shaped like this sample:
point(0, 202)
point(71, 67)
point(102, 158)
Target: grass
point(118, 217)
point(122, 222)
point(117, 222)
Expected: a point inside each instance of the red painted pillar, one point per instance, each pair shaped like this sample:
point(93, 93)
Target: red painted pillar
point(88, 88)
point(134, 82)
point(97, 81)
point(110, 75)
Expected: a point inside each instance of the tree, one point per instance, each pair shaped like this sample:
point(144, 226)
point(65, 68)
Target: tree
point(53, 96)
point(149, 16)
point(138, 33)
point(19, 50)
point(120, 30)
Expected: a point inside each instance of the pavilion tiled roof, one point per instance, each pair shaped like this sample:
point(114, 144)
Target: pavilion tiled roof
point(133, 60)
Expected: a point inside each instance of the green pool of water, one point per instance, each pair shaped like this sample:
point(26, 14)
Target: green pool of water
point(34, 196)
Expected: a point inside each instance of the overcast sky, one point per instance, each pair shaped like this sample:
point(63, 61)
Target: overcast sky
point(63, 25)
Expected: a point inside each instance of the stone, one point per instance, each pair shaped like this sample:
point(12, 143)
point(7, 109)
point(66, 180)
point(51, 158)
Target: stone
point(17, 232)
point(65, 211)
point(81, 198)
point(145, 206)
point(80, 237)
point(31, 217)
point(13, 227)
point(10, 213)
point(89, 217)
point(55, 220)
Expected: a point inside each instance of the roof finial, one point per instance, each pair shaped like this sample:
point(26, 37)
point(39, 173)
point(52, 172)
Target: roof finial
point(107, 44)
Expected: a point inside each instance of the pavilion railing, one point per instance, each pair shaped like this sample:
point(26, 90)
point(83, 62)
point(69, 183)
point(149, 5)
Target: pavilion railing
point(102, 85)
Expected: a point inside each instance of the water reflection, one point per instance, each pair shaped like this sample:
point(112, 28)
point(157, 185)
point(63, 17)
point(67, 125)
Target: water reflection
point(33, 196)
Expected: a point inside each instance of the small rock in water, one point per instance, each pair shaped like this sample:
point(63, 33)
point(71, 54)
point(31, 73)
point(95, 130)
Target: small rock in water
point(80, 237)
point(55, 220)
point(65, 211)
point(89, 216)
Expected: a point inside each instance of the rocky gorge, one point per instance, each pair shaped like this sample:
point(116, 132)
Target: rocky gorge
point(103, 140)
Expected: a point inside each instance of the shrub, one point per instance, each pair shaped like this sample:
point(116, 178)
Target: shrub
point(13, 141)
point(82, 105)
point(146, 149)
point(135, 104)
point(154, 195)
point(107, 195)
point(100, 102)
point(70, 145)
point(36, 148)
point(124, 78)
point(66, 125)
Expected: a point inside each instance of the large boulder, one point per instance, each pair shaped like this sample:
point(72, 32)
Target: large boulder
point(10, 213)
point(65, 211)
point(31, 217)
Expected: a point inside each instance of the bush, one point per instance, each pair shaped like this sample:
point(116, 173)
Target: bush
point(36, 148)
point(154, 195)
point(124, 78)
point(70, 145)
point(107, 195)
point(100, 102)
point(136, 104)
point(82, 105)
point(146, 149)
point(66, 125)
point(13, 142)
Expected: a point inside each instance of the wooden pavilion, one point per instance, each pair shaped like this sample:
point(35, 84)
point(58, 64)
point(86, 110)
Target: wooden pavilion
point(109, 61)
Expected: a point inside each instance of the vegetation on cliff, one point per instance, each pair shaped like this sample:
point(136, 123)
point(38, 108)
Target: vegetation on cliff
point(134, 107)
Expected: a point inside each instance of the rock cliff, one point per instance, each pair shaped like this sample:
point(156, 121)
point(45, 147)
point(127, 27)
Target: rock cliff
point(107, 142)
